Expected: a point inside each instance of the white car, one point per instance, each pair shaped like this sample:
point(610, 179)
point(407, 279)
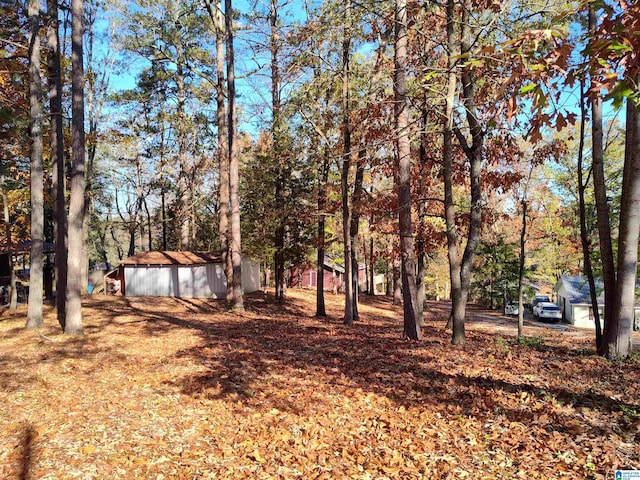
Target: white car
point(511, 308)
point(547, 311)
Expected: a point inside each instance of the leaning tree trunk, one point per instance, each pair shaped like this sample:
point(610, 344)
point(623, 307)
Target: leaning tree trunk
point(73, 321)
point(234, 173)
point(58, 177)
point(409, 292)
point(618, 333)
point(34, 312)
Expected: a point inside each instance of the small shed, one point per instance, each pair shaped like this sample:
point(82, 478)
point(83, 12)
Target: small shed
point(305, 275)
point(574, 301)
point(181, 274)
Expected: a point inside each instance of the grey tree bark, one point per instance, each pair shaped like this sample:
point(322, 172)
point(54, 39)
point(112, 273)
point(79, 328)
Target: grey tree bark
point(280, 169)
point(36, 282)
point(224, 231)
point(58, 177)
point(600, 192)
point(234, 174)
point(346, 166)
point(323, 177)
point(73, 321)
point(584, 237)
point(13, 299)
point(354, 229)
point(473, 153)
point(618, 330)
point(409, 291)
point(447, 173)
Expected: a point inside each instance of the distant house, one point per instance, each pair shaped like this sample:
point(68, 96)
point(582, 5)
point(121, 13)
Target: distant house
point(305, 275)
point(574, 300)
point(179, 274)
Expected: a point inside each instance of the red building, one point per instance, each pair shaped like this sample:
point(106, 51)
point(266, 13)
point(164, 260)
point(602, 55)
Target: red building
point(306, 276)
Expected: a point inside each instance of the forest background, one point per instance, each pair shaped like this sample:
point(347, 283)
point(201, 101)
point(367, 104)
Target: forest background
point(428, 140)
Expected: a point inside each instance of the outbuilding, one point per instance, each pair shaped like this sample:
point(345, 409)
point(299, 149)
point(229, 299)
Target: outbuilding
point(180, 274)
point(305, 275)
point(574, 301)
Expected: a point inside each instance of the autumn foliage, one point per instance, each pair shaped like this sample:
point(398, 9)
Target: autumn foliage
point(179, 388)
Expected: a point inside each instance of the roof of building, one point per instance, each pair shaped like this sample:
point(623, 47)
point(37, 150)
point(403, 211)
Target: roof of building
point(171, 258)
point(577, 288)
point(329, 265)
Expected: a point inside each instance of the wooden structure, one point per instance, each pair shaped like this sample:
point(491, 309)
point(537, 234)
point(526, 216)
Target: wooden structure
point(305, 275)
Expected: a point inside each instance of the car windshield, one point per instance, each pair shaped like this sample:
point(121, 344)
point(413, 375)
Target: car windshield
point(551, 309)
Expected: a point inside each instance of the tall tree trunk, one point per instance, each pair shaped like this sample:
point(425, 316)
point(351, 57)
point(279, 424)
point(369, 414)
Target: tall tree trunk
point(584, 236)
point(473, 153)
point(13, 300)
point(409, 292)
point(224, 231)
point(34, 312)
point(600, 192)
point(58, 177)
point(234, 174)
point(523, 240)
point(73, 321)
point(457, 305)
point(353, 231)
point(323, 177)
point(164, 219)
point(276, 150)
point(372, 264)
point(148, 214)
point(183, 188)
point(420, 244)
point(93, 112)
point(618, 331)
point(346, 166)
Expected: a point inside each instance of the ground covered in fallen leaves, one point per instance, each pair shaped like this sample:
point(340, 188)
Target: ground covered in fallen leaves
point(179, 388)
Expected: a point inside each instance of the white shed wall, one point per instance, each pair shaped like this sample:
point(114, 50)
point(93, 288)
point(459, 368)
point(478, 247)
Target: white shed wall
point(250, 276)
point(580, 316)
point(187, 281)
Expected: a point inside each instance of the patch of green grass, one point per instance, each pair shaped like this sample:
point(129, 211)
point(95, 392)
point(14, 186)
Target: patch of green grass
point(531, 342)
